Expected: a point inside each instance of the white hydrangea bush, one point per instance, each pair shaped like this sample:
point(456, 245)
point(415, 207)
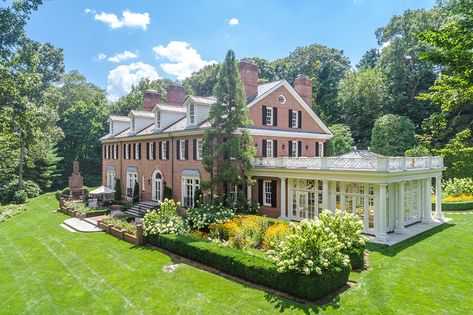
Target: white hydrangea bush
point(347, 227)
point(310, 248)
point(204, 215)
point(165, 220)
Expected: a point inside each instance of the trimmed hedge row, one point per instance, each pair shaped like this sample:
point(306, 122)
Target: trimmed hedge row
point(94, 213)
point(456, 205)
point(252, 268)
point(357, 259)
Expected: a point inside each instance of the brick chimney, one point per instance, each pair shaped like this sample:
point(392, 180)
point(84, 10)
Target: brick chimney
point(150, 98)
point(249, 77)
point(303, 86)
point(175, 94)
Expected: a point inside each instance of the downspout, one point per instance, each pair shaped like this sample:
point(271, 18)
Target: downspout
point(120, 151)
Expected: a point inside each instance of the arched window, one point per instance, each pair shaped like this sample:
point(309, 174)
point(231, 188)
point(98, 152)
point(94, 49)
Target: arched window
point(158, 175)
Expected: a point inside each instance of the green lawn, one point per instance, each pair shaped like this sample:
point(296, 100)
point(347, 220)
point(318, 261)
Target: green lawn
point(45, 269)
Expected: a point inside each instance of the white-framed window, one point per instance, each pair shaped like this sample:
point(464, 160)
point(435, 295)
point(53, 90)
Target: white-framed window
point(164, 150)
point(282, 99)
point(143, 183)
point(158, 119)
point(321, 149)
point(267, 193)
point(127, 151)
point(111, 179)
point(182, 150)
point(295, 149)
point(115, 151)
point(192, 113)
point(131, 178)
point(200, 149)
point(189, 186)
point(133, 124)
point(233, 192)
point(269, 116)
point(151, 150)
point(269, 148)
point(137, 151)
point(294, 118)
point(111, 128)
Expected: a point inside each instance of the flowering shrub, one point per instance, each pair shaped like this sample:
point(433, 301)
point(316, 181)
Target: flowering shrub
point(204, 215)
point(456, 198)
point(166, 220)
point(310, 248)
point(120, 224)
point(224, 231)
point(458, 186)
point(274, 234)
point(347, 227)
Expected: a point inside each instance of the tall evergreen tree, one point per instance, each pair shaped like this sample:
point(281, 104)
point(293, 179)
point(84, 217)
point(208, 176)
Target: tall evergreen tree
point(227, 154)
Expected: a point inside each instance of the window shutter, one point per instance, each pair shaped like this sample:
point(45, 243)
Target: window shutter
point(299, 148)
point(178, 152)
point(290, 118)
point(273, 194)
point(289, 147)
point(264, 148)
point(263, 115)
point(148, 156)
point(299, 118)
point(167, 150)
point(154, 150)
point(160, 150)
point(139, 151)
point(324, 150)
point(260, 191)
point(194, 149)
point(275, 116)
point(134, 151)
point(116, 151)
point(186, 144)
point(317, 152)
point(275, 148)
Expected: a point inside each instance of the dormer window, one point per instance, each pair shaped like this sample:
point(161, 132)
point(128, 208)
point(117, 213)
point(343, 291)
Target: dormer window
point(111, 128)
point(192, 113)
point(133, 124)
point(158, 119)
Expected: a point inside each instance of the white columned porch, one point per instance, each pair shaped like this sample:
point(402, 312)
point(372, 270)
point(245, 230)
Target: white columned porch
point(283, 198)
point(427, 210)
point(438, 198)
point(325, 195)
point(400, 209)
point(380, 220)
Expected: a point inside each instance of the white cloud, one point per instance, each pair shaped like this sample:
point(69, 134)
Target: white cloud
point(129, 19)
point(101, 56)
point(123, 77)
point(184, 58)
point(233, 21)
point(122, 56)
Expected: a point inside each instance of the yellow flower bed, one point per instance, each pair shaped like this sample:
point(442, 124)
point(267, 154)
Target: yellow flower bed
point(274, 234)
point(455, 198)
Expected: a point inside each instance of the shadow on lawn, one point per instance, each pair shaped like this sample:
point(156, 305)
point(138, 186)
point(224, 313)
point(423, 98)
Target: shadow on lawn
point(392, 251)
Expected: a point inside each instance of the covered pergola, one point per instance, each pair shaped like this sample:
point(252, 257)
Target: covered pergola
point(387, 193)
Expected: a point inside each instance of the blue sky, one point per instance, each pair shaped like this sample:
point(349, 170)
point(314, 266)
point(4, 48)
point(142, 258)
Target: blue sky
point(115, 43)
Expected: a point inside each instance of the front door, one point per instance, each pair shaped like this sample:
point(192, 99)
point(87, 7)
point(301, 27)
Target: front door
point(301, 204)
point(157, 187)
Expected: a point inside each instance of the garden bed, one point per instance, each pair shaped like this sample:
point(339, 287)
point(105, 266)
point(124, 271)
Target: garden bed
point(251, 268)
point(123, 230)
point(456, 205)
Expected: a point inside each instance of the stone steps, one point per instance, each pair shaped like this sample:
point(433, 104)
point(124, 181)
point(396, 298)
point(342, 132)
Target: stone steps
point(139, 210)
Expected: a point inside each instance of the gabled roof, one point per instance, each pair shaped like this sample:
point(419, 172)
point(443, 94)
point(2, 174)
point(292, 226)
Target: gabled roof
point(140, 113)
point(202, 100)
point(268, 88)
point(119, 118)
point(170, 108)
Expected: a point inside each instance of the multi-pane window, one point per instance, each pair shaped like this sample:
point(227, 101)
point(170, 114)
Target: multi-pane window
point(133, 124)
point(269, 148)
point(158, 119)
point(267, 193)
point(137, 151)
point(269, 116)
point(164, 150)
point(233, 192)
point(294, 118)
point(131, 178)
point(191, 184)
point(127, 151)
point(182, 150)
point(111, 179)
point(151, 150)
point(111, 128)
point(192, 113)
point(295, 149)
point(200, 148)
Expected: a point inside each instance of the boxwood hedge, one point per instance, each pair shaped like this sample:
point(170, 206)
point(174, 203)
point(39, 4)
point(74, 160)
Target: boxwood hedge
point(456, 205)
point(252, 268)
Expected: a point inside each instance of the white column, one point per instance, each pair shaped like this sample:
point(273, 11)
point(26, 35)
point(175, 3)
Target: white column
point(283, 198)
point(400, 209)
point(438, 198)
point(325, 195)
point(248, 190)
point(427, 211)
point(382, 234)
point(332, 187)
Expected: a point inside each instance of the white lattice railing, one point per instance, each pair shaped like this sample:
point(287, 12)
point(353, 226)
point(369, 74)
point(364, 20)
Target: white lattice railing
point(386, 164)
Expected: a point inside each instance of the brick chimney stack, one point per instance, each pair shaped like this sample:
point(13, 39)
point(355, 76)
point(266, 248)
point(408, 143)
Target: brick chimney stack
point(249, 77)
point(150, 98)
point(175, 94)
point(303, 87)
